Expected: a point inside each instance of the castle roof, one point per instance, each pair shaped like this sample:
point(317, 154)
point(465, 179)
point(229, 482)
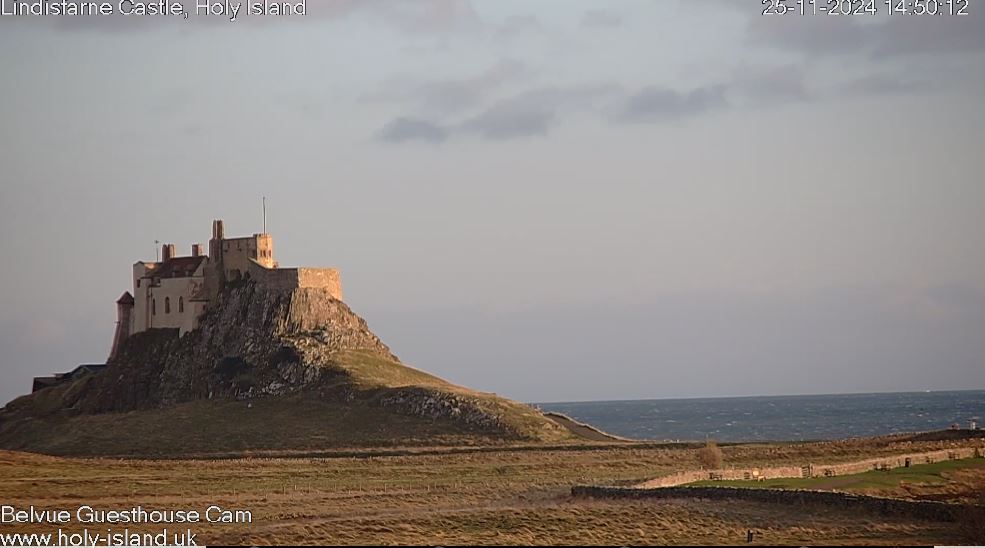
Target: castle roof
point(126, 298)
point(178, 267)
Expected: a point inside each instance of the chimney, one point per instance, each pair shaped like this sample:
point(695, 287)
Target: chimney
point(167, 252)
point(198, 250)
point(218, 230)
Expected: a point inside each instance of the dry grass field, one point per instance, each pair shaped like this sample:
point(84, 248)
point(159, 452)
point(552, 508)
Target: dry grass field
point(484, 497)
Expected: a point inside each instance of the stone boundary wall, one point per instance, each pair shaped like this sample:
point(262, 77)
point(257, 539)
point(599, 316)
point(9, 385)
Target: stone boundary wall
point(924, 510)
point(815, 470)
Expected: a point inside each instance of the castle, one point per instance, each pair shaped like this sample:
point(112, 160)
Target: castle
point(174, 292)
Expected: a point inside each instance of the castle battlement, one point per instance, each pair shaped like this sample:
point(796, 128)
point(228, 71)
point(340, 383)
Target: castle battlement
point(174, 292)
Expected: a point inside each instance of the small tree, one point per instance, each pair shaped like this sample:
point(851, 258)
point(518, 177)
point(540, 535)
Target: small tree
point(711, 455)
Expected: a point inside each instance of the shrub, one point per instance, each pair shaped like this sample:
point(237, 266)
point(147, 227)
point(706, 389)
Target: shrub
point(711, 455)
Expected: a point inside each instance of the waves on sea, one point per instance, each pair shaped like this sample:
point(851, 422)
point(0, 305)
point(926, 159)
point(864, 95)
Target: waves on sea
point(780, 417)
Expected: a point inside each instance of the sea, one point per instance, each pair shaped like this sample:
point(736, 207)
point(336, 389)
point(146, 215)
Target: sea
point(780, 418)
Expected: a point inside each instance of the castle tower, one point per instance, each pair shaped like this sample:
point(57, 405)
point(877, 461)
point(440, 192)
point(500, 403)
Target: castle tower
point(214, 273)
point(124, 311)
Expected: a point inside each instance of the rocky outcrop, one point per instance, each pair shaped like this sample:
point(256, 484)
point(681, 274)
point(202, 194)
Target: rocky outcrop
point(261, 342)
point(256, 342)
point(437, 405)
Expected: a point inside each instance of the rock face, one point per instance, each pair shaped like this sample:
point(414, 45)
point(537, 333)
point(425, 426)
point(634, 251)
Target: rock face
point(256, 341)
point(260, 342)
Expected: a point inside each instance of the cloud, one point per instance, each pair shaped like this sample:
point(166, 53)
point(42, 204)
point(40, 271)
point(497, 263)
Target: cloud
point(401, 130)
point(511, 119)
point(531, 113)
point(536, 112)
point(885, 84)
point(770, 84)
point(601, 19)
point(451, 96)
point(659, 104)
point(925, 35)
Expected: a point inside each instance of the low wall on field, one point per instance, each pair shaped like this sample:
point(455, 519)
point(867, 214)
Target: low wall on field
point(811, 470)
point(924, 510)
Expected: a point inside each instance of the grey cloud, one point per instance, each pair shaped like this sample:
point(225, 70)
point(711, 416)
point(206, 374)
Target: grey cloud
point(511, 119)
point(445, 97)
point(535, 112)
point(657, 104)
point(402, 130)
point(460, 94)
point(885, 84)
point(770, 85)
point(531, 113)
point(931, 35)
point(601, 19)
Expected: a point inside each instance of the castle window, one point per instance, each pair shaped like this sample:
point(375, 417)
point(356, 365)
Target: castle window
point(167, 305)
point(153, 307)
point(138, 282)
point(181, 304)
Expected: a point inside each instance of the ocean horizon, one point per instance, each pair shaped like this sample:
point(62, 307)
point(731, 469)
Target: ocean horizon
point(779, 418)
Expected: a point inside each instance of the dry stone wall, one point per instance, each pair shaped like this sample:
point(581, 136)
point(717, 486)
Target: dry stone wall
point(813, 470)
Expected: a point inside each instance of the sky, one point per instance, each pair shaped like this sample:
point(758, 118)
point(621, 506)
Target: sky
point(559, 200)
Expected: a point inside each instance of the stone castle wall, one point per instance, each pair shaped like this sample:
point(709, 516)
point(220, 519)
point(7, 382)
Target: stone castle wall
point(325, 278)
point(329, 279)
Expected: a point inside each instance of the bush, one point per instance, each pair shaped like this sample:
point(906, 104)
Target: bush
point(711, 455)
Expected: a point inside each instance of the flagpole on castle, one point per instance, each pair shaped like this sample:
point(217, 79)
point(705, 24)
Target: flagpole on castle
point(264, 214)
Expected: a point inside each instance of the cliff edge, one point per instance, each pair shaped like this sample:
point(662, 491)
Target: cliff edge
point(267, 369)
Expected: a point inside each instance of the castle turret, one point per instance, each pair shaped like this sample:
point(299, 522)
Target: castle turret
point(214, 274)
point(124, 313)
